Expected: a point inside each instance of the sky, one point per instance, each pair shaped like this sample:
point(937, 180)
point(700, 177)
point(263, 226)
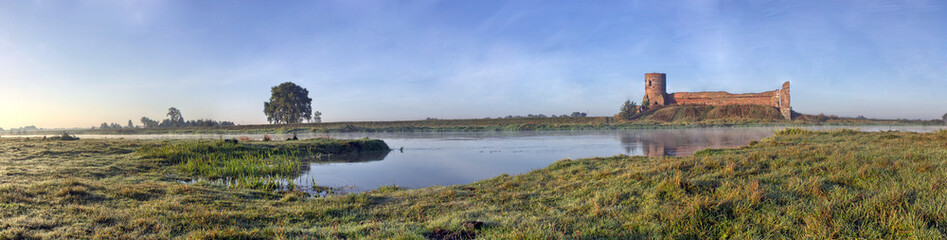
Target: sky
point(81, 63)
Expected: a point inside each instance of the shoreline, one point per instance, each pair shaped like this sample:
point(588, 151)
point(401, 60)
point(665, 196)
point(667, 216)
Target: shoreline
point(467, 125)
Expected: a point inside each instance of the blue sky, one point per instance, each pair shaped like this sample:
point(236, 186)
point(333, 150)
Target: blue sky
point(80, 63)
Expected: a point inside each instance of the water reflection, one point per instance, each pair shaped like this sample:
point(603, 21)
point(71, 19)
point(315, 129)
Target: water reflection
point(428, 159)
point(353, 157)
point(682, 142)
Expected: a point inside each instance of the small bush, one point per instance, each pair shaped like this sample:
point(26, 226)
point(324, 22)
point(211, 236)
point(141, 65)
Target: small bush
point(65, 137)
point(794, 131)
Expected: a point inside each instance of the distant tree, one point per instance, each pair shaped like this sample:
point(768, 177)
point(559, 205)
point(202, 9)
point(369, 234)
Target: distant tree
point(628, 110)
point(148, 123)
point(104, 126)
point(289, 103)
point(317, 117)
point(115, 126)
point(578, 114)
point(174, 116)
point(944, 118)
point(130, 124)
point(166, 123)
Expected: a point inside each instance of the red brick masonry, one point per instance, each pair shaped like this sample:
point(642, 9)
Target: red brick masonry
point(655, 93)
point(724, 98)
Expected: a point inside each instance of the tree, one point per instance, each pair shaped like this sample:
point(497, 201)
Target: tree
point(115, 126)
point(628, 110)
point(148, 123)
point(130, 124)
point(944, 118)
point(317, 117)
point(104, 126)
point(289, 103)
point(174, 115)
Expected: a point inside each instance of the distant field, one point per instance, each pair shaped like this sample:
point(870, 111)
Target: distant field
point(798, 184)
point(667, 117)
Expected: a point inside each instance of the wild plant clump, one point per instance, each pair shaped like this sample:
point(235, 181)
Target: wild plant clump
point(251, 165)
point(794, 131)
point(65, 137)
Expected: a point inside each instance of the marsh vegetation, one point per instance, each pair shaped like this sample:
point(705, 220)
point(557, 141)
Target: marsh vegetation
point(796, 184)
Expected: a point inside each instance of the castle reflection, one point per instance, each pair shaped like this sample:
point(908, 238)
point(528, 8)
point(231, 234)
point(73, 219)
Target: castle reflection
point(680, 142)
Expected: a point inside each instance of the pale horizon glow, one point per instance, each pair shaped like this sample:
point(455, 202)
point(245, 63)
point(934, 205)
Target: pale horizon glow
point(81, 63)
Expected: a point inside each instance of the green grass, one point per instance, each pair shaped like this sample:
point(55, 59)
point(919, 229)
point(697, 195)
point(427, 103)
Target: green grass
point(711, 114)
point(798, 184)
point(258, 165)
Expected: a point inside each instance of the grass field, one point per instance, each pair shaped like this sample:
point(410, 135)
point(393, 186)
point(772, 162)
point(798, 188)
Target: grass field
point(797, 184)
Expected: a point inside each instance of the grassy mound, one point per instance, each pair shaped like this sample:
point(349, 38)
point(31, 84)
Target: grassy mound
point(698, 113)
point(251, 164)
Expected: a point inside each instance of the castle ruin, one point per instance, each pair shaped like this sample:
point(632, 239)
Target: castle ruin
point(656, 95)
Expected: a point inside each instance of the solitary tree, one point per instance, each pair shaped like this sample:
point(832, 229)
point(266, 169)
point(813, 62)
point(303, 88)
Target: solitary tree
point(317, 117)
point(289, 103)
point(645, 103)
point(628, 109)
point(174, 115)
point(944, 117)
point(130, 124)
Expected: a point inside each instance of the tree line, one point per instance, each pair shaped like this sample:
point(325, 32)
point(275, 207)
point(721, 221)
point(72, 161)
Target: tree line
point(573, 115)
point(174, 120)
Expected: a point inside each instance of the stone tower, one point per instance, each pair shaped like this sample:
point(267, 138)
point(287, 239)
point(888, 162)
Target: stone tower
point(655, 89)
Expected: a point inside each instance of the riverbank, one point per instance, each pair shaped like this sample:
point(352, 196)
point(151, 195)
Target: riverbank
point(662, 119)
point(797, 184)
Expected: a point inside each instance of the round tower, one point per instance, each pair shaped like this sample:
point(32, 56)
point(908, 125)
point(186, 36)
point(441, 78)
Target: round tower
point(655, 88)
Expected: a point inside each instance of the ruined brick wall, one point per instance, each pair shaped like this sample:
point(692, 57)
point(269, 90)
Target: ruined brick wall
point(656, 95)
point(784, 106)
point(724, 98)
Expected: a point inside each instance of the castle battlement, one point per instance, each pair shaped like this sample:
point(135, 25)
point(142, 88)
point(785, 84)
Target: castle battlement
point(656, 95)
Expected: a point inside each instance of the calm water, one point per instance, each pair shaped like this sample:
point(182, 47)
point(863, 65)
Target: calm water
point(428, 159)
